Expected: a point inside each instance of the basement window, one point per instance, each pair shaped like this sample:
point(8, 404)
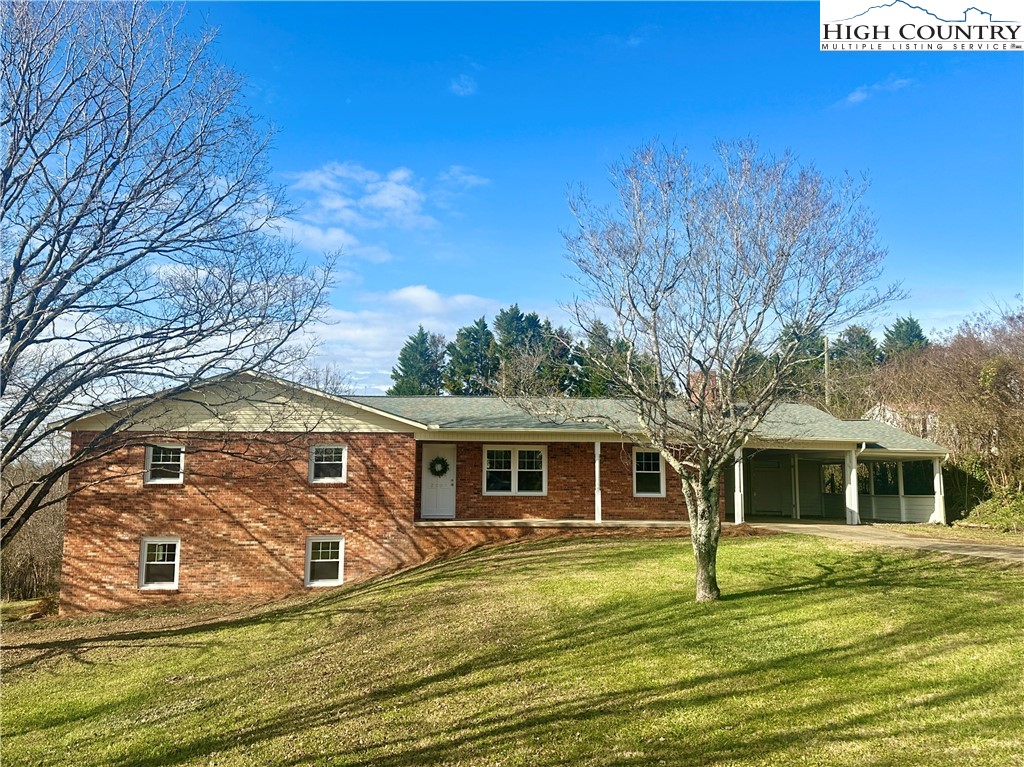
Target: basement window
point(158, 563)
point(328, 463)
point(165, 465)
point(648, 473)
point(511, 470)
point(325, 560)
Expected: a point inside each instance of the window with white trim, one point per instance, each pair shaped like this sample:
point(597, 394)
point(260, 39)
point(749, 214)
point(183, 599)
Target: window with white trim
point(648, 473)
point(158, 563)
point(325, 560)
point(165, 465)
point(328, 463)
point(515, 470)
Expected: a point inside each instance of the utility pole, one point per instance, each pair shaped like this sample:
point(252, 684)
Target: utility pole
point(827, 398)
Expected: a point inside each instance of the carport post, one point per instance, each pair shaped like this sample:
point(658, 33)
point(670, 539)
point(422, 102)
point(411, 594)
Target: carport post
point(852, 501)
point(737, 495)
point(938, 516)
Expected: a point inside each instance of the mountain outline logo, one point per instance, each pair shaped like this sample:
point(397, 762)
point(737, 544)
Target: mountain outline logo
point(910, 6)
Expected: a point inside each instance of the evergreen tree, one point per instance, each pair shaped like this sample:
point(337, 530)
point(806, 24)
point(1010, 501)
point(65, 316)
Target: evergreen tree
point(600, 360)
point(472, 360)
point(805, 379)
point(854, 357)
point(559, 365)
point(526, 339)
point(516, 332)
point(905, 335)
point(855, 345)
point(420, 365)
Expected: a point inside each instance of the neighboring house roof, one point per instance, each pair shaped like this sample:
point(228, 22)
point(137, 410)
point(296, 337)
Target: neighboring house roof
point(787, 422)
point(881, 435)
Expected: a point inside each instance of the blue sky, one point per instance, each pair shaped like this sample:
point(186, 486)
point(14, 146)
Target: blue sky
point(435, 143)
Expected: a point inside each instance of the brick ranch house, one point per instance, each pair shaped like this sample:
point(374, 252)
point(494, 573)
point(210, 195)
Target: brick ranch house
point(255, 487)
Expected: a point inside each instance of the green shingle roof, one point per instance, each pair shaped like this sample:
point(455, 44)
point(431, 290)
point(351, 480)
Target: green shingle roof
point(786, 421)
point(474, 413)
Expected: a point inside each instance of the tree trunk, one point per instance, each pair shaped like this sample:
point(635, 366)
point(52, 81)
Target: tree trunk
point(705, 529)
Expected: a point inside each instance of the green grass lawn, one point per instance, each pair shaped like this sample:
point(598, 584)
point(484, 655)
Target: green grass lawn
point(20, 610)
point(582, 652)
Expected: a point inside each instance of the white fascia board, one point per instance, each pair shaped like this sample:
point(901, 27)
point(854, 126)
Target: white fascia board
point(517, 435)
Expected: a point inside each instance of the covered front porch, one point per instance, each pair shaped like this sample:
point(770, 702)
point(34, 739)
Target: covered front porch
point(852, 486)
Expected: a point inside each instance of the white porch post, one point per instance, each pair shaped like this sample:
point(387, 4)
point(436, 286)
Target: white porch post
point(738, 494)
point(899, 487)
point(938, 516)
point(796, 484)
point(597, 481)
point(852, 502)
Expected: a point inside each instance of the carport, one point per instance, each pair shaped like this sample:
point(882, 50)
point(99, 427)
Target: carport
point(881, 474)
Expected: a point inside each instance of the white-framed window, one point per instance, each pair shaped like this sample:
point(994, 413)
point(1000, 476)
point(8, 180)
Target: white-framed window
point(158, 563)
point(165, 465)
point(328, 463)
point(325, 560)
point(515, 470)
point(648, 473)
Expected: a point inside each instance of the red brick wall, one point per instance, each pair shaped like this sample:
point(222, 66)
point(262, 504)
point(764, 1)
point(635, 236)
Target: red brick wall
point(243, 522)
point(570, 485)
point(617, 500)
point(243, 519)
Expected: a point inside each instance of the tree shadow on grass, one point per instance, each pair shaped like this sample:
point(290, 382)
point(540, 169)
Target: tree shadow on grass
point(517, 700)
point(837, 715)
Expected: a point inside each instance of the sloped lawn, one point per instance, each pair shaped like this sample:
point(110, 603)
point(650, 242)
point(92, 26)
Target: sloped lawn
point(583, 652)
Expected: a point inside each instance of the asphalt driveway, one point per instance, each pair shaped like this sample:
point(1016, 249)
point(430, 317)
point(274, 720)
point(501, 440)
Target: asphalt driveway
point(875, 536)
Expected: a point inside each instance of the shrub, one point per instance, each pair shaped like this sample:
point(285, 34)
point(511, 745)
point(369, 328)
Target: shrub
point(30, 563)
point(1004, 512)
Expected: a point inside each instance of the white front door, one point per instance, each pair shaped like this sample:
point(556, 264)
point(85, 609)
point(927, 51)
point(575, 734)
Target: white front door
point(438, 481)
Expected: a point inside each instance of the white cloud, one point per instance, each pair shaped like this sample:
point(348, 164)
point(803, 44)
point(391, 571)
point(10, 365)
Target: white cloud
point(349, 194)
point(365, 341)
point(633, 39)
point(461, 177)
point(318, 238)
point(863, 92)
point(463, 85)
point(422, 300)
point(453, 183)
point(341, 201)
point(342, 205)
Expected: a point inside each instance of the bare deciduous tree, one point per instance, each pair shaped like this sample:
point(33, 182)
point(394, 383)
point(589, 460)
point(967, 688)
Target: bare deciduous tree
point(711, 276)
point(966, 390)
point(136, 223)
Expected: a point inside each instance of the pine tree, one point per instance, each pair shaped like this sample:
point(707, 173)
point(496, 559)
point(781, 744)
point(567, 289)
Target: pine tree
point(420, 365)
point(472, 360)
point(517, 333)
point(905, 335)
point(856, 345)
